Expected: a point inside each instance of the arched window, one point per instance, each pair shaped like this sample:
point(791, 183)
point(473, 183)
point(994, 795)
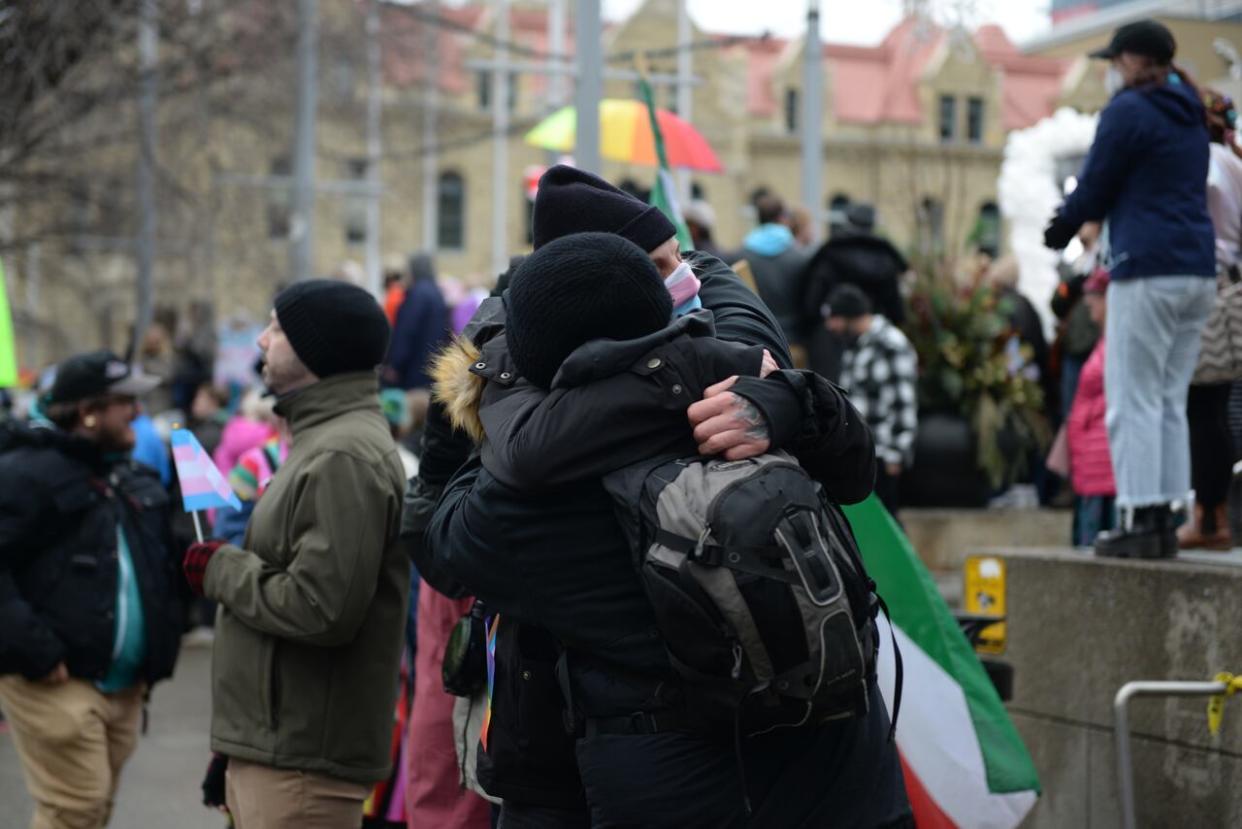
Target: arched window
point(451, 200)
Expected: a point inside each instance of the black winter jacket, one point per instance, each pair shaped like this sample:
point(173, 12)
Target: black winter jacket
point(60, 504)
point(554, 557)
point(530, 530)
point(800, 408)
point(869, 263)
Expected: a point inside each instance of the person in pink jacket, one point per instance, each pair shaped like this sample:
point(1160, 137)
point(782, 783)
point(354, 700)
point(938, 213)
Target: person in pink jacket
point(435, 795)
point(1091, 467)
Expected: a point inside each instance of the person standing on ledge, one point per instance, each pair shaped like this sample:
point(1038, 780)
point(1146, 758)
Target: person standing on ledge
point(1146, 174)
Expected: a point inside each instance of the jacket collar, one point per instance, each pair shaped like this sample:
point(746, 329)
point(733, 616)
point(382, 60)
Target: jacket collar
point(14, 435)
point(329, 398)
point(878, 326)
point(605, 358)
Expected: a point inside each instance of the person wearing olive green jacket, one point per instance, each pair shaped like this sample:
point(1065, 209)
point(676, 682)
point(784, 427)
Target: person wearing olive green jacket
point(313, 605)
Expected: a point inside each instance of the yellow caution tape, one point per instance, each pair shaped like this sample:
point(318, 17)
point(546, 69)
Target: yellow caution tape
point(1216, 704)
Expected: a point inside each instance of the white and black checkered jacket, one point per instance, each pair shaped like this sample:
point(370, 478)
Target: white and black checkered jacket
point(880, 373)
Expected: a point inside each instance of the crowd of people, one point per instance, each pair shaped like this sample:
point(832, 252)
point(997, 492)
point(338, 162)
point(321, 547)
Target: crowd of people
point(475, 578)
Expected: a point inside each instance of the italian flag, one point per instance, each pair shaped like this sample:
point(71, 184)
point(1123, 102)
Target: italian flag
point(964, 763)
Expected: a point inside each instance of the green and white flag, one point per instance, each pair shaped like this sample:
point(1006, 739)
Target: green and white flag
point(964, 762)
point(8, 345)
point(664, 194)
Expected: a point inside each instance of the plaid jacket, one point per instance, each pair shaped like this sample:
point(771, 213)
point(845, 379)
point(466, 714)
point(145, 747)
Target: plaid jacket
point(879, 372)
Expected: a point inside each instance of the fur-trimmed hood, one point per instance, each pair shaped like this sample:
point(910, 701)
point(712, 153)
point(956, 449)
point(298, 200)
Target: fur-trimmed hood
point(457, 388)
point(461, 370)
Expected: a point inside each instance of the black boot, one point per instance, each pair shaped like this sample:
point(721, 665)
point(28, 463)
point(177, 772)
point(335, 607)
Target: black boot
point(1145, 532)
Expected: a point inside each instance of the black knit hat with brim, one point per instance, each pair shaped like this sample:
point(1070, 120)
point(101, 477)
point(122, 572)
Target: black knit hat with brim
point(334, 327)
point(574, 201)
point(583, 287)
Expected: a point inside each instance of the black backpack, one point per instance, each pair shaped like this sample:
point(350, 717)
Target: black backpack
point(757, 587)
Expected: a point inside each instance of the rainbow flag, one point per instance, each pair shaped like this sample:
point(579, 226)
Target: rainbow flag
point(491, 678)
point(964, 762)
point(202, 485)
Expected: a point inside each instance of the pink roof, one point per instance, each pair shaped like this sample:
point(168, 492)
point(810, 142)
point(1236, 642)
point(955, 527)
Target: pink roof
point(869, 84)
point(762, 58)
point(880, 84)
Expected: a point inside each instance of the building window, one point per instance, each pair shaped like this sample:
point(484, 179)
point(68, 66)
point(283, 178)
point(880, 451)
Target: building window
point(791, 109)
point(356, 203)
point(483, 87)
point(451, 206)
point(930, 221)
point(986, 235)
point(948, 119)
point(629, 185)
point(974, 120)
point(279, 199)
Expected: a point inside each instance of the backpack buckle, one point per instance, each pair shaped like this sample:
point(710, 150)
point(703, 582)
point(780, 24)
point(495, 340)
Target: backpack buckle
point(697, 553)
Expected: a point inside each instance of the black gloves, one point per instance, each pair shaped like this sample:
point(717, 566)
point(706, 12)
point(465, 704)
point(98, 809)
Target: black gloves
point(213, 782)
point(1059, 232)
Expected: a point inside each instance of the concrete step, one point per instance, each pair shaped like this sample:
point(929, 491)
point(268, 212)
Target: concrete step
point(944, 538)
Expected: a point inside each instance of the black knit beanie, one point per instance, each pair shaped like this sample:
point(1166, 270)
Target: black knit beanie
point(573, 201)
point(334, 327)
point(848, 302)
point(583, 287)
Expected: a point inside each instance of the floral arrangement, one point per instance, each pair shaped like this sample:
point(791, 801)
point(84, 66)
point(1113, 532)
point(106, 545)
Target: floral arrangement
point(972, 363)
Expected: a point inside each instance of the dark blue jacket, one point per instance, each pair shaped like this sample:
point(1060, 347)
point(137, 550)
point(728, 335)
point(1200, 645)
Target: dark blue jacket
point(422, 327)
point(1146, 174)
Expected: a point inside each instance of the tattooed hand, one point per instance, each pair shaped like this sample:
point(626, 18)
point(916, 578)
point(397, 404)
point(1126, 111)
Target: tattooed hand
point(728, 424)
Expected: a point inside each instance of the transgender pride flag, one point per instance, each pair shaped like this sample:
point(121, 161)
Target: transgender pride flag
point(202, 485)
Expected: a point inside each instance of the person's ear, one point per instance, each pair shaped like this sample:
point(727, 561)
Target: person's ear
point(87, 414)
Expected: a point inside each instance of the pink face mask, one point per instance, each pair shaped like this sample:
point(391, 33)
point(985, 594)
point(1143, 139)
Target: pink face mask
point(682, 284)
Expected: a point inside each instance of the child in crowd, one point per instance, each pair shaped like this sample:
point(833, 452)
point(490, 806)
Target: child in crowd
point(1091, 467)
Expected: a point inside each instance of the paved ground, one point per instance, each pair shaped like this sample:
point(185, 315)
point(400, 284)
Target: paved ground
point(160, 786)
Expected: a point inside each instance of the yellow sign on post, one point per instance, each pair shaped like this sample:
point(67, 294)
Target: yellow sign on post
point(985, 593)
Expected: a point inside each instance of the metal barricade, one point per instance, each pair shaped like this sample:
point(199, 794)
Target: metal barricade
point(1121, 722)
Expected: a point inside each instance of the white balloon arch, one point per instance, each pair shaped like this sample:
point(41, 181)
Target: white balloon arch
point(1029, 193)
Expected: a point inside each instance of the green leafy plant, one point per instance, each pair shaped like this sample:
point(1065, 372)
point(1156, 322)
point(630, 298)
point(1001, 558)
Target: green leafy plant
point(971, 363)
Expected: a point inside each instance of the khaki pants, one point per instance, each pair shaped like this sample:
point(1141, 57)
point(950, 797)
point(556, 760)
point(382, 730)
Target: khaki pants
point(262, 797)
point(72, 740)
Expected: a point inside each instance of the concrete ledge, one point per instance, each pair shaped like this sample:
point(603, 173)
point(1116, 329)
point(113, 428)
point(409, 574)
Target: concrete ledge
point(1081, 627)
point(945, 537)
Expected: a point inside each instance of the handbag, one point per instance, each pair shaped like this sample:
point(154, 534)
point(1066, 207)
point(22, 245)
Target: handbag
point(1220, 357)
point(464, 669)
point(1058, 460)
